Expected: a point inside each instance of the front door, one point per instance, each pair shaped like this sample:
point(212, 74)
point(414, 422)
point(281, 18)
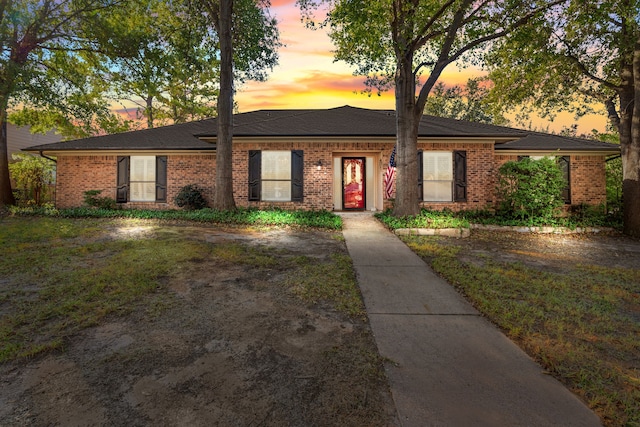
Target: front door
point(353, 183)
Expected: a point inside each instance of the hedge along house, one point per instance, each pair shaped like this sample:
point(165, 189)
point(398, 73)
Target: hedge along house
point(332, 159)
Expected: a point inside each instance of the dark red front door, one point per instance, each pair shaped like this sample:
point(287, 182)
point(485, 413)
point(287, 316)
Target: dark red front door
point(353, 183)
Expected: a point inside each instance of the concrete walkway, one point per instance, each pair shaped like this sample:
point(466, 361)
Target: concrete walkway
point(449, 366)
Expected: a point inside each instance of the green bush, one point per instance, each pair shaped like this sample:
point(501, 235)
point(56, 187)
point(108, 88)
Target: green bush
point(92, 198)
point(530, 188)
point(191, 198)
point(33, 177)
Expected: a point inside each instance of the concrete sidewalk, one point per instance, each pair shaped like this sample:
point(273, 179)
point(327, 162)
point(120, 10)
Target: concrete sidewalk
point(450, 367)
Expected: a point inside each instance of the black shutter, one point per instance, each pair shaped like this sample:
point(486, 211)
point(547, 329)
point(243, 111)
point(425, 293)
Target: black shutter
point(297, 176)
point(460, 176)
point(420, 176)
point(122, 189)
point(161, 178)
point(255, 175)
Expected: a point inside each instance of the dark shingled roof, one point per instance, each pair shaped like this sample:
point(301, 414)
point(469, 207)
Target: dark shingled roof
point(343, 121)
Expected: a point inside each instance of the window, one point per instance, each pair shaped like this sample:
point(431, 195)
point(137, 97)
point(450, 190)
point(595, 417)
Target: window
point(564, 164)
point(443, 176)
point(275, 176)
point(142, 179)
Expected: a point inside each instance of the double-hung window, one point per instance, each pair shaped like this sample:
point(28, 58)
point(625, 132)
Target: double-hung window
point(276, 176)
point(443, 176)
point(142, 179)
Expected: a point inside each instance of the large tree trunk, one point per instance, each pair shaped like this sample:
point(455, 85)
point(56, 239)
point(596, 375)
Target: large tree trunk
point(407, 122)
point(6, 194)
point(630, 145)
point(224, 144)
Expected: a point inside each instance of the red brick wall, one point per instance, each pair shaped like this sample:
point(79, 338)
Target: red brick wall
point(588, 180)
point(77, 174)
point(318, 184)
point(480, 175)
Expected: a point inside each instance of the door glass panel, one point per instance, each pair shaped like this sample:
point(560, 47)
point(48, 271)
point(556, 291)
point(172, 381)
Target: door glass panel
point(353, 178)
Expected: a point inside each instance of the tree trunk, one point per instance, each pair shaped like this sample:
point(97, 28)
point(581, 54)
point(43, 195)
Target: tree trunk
point(630, 145)
point(407, 122)
point(6, 194)
point(223, 199)
point(149, 110)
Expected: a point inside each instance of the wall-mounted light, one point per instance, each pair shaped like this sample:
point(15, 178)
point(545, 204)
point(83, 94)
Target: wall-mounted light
point(319, 164)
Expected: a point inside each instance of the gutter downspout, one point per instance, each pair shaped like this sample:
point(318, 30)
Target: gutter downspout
point(48, 158)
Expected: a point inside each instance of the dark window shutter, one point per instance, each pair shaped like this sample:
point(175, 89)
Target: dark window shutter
point(122, 189)
point(255, 175)
point(420, 176)
point(297, 176)
point(460, 176)
point(161, 178)
point(564, 163)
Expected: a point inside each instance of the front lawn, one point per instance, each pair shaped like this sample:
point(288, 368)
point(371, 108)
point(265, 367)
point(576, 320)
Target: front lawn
point(571, 302)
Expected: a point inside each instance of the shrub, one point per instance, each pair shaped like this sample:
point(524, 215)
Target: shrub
point(190, 197)
point(33, 176)
point(530, 188)
point(92, 199)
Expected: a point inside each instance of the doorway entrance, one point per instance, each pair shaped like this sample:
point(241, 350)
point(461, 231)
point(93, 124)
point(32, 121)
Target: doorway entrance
point(353, 183)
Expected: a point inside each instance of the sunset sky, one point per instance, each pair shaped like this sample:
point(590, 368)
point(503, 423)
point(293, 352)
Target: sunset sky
point(308, 77)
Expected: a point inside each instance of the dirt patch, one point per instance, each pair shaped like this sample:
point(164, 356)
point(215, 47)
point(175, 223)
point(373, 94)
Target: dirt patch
point(225, 345)
point(551, 252)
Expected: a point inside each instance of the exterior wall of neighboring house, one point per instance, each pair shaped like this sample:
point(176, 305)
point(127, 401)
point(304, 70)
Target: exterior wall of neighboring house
point(77, 174)
point(21, 137)
point(321, 171)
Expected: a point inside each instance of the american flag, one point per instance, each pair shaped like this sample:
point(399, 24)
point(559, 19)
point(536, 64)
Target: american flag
point(390, 174)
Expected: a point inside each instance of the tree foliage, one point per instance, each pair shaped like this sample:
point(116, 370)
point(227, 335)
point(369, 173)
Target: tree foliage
point(51, 56)
point(171, 74)
point(33, 176)
point(583, 52)
point(530, 188)
point(406, 45)
point(464, 103)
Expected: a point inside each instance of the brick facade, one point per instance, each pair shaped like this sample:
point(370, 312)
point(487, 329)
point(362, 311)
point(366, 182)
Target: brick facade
point(79, 173)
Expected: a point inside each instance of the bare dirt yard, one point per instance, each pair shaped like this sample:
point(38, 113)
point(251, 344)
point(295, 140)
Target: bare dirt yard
point(553, 252)
point(226, 345)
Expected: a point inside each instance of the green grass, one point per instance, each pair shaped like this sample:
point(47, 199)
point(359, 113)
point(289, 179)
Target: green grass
point(426, 219)
point(334, 282)
point(57, 285)
point(241, 216)
point(582, 217)
point(583, 326)
point(60, 275)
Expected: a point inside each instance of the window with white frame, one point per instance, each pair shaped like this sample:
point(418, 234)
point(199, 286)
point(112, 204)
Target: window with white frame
point(276, 176)
point(437, 176)
point(142, 179)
